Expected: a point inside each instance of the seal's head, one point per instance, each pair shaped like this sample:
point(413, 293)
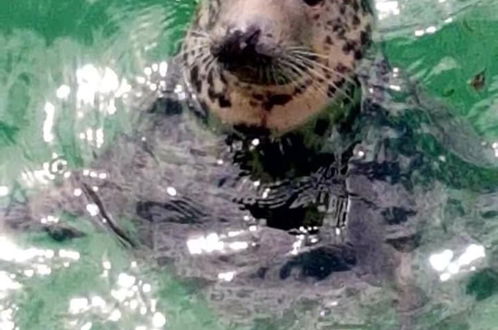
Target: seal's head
point(274, 63)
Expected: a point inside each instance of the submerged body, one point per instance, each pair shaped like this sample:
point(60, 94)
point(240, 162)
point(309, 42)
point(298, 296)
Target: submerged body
point(266, 227)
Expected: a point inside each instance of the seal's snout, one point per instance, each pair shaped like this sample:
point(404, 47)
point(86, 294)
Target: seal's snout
point(242, 48)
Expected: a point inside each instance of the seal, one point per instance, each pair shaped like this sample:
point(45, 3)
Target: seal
point(274, 64)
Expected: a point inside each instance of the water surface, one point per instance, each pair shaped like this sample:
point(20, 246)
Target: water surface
point(65, 72)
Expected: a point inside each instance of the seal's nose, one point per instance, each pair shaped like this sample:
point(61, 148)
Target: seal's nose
point(240, 48)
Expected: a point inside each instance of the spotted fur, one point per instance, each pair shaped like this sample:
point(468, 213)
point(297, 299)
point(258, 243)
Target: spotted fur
point(336, 32)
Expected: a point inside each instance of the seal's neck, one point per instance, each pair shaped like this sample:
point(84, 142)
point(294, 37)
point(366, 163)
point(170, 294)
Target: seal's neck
point(266, 155)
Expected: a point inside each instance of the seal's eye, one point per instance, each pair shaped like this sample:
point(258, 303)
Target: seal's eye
point(313, 2)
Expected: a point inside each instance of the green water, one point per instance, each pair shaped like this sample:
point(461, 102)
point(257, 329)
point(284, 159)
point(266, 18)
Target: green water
point(92, 282)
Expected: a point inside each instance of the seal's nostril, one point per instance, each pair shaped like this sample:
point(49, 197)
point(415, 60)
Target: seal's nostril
point(251, 37)
point(243, 48)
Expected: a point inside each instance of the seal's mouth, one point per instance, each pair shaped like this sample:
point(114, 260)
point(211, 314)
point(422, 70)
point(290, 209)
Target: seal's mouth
point(250, 58)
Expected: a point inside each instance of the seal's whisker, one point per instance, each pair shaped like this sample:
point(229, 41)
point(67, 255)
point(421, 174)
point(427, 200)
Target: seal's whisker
point(273, 76)
point(313, 88)
point(201, 60)
point(311, 54)
point(206, 60)
point(200, 34)
point(268, 76)
point(293, 79)
point(198, 58)
point(197, 38)
point(185, 50)
point(300, 72)
point(321, 65)
point(278, 75)
point(210, 67)
point(329, 70)
point(315, 74)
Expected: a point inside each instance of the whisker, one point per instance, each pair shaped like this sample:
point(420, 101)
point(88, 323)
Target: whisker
point(292, 79)
point(299, 73)
point(315, 74)
point(310, 54)
point(329, 70)
point(210, 67)
point(184, 51)
point(199, 33)
point(268, 75)
point(277, 75)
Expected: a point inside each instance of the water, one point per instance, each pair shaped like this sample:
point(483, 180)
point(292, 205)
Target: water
point(64, 69)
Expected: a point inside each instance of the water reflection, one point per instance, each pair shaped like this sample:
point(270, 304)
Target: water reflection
point(92, 81)
point(386, 8)
point(130, 294)
point(4, 191)
point(213, 242)
point(48, 124)
point(51, 170)
point(129, 297)
point(28, 263)
point(448, 266)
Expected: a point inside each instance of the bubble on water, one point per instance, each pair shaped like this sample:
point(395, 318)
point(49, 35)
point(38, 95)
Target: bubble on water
point(93, 209)
point(158, 320)
point(4, 191)
point(48, 124)
point(63, 92)
point(171, 191)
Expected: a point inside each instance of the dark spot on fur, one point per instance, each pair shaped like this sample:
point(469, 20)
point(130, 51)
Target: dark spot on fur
point(364, 38)
point(337, 26)
point(356, 20)
point(356, 7)
point(258, 97)
point(194, 78)
point(349, 46)
point(331, 91)
point(204, 106)
point(210, 79)
point(223, 78)
point(302, 88)
point(212, 94)
point(275, 100)
point(223, 101)
point(341, 68)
